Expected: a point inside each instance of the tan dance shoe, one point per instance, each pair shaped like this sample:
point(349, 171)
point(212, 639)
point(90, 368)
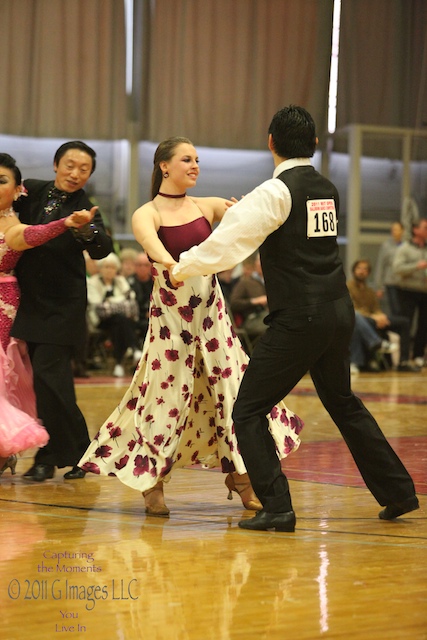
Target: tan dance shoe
point(154, 501)
point(242, 486)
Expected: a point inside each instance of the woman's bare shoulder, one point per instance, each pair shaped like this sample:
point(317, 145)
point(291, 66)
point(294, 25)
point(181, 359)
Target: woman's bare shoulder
point(212, 207)
point(147, 212)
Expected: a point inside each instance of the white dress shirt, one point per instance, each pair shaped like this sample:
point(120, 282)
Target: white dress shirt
point(243, 228)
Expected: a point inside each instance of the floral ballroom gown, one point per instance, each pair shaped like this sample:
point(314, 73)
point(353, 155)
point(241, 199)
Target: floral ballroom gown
point(177, 409)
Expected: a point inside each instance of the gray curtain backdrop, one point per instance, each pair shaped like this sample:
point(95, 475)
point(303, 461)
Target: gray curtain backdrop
point(382, 73)
point(220, 69)
point(63, 68)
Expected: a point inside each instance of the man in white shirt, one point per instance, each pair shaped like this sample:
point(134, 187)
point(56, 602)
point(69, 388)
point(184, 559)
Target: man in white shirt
point(293, 219)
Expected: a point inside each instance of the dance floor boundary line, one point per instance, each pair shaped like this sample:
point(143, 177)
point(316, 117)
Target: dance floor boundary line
point(186, 522)
point(121, 511)
point(372, 396)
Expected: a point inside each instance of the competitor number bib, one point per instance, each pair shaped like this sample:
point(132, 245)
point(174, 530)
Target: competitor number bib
point(321, 218)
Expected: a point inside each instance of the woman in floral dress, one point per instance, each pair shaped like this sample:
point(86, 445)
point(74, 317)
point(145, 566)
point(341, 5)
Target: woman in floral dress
point(177, 410)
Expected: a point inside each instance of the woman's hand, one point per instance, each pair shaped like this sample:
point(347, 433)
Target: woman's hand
point(80, 218)
point(229, 203)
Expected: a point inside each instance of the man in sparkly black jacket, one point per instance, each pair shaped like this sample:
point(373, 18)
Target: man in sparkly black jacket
point(52, 314)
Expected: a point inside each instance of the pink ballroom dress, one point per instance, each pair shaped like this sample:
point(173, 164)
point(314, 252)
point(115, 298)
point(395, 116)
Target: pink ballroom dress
point(19, 427)
point(177, 410)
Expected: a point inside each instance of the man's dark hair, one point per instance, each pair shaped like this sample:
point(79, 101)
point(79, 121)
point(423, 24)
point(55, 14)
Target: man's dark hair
point(75, 144)
point(293, 133)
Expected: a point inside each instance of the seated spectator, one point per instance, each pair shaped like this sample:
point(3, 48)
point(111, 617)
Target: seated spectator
point(91, 265)
point(367, 305)
point(248, 300)
point(81, 359)
point(127, 258)
point(227, 281)
point(113, 308)
point(366, 346)
point(141, 283)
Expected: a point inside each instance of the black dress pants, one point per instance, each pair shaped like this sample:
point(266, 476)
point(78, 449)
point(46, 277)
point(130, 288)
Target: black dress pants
point(57, 406)
point(315, 339)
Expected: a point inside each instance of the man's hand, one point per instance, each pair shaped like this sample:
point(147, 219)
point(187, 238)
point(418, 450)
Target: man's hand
point(229, 203)
point(174, 281)
point(80, 218)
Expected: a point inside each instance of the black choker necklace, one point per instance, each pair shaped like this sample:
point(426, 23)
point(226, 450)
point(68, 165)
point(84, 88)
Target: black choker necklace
point(168, 195)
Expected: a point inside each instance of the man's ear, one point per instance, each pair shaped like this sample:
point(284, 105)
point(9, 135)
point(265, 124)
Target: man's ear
point(270, 142)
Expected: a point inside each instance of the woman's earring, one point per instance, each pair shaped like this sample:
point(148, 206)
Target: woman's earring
point(166, 175)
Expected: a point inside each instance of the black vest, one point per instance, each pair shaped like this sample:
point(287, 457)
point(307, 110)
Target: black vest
point(300, 270)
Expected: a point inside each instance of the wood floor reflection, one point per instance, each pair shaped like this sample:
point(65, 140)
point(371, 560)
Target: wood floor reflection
point(82, 559)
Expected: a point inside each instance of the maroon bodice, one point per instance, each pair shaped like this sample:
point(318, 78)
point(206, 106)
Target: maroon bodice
point(182, 237)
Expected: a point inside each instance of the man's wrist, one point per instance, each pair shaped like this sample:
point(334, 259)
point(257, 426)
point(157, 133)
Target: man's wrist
point(87, 233)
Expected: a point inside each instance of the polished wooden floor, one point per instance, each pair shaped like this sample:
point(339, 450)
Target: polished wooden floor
point(81, 558)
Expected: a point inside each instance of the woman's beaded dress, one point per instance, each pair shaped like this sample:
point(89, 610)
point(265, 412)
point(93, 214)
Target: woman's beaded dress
point(19, 427)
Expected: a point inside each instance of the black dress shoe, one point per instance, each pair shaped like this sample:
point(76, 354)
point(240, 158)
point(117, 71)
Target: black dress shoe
point(30, 472)
point(40, 472)
point(263, 521)
point(395, 510)
point(75, 474)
